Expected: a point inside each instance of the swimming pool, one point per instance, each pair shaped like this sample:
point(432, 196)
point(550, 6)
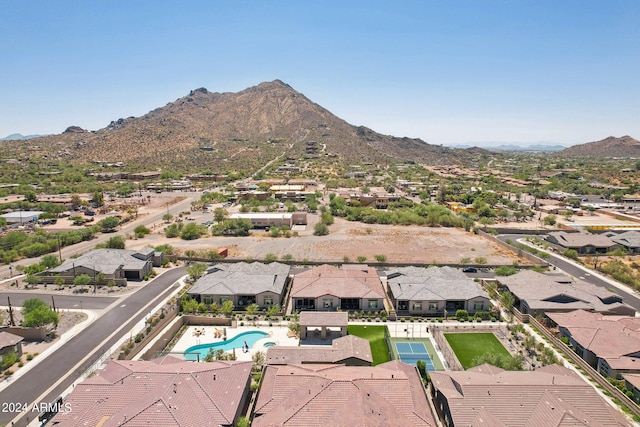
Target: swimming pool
point(237, 342)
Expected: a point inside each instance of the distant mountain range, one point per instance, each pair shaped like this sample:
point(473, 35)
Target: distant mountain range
point(624, 146)
point(225, 132)
point(513, 147)
point(19, 137)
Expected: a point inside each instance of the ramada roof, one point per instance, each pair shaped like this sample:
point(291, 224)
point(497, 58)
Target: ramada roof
point(616, 339)
point(432, 284)
point(346, 282)
point(549, 396)
point(242, 279)
point(349, 346)
point(544, 292)
point(390, 394)
point(161, 392)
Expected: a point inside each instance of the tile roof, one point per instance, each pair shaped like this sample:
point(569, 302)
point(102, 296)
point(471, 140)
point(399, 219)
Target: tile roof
point(349, 282)
point(324, 318)
point(578, 240)
point(8, 339)
point(107, 261)
point(543, 292)
point(628, 239)
point(242, 279)
point(160, 392)
point(550, 396)
point(341, 349)
point(615, 339)
point(432, 284)
point(387, 395)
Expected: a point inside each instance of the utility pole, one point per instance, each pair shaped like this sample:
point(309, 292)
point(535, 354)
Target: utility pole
point(53, 302)
point(11, 321)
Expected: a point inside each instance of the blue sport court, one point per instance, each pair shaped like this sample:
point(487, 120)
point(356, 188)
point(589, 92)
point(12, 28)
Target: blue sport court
point(411, 352)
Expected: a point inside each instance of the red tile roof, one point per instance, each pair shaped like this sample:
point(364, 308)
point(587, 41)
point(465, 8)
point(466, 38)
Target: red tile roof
point(341, 349)
point(387, 395)
point(615, 339)
point(550, 396)
point(8, 339)
point(362, 282)
point(157, 393)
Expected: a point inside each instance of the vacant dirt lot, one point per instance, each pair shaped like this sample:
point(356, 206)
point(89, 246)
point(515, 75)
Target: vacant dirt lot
point(352, 240)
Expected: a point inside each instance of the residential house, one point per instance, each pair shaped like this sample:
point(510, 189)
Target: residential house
point(434, 290)
point(610, 344)
point(549, 396)
point(348, 350)
point(243, 284)
point(161, 392)
point(10, 343)
point(112, 263)
point(630, 240)
point(537, 293)
point(272, 219)
point(582, 242)
point(352, 287)
point(389, 395)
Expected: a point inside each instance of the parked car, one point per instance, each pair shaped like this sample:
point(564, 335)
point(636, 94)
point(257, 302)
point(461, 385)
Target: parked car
point(469, 270)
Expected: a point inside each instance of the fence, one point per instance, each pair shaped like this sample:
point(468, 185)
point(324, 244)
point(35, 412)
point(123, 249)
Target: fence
point(445, 349)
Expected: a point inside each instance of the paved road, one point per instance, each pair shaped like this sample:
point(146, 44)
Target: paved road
point(628, 296)
point(61, 301)
point(61, 363)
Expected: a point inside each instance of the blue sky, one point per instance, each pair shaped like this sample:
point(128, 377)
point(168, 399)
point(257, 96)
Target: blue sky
point(445, 71)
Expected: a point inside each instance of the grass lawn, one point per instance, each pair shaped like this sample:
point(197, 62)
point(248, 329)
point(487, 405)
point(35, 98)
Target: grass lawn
point(468, 346)
point(375, 335)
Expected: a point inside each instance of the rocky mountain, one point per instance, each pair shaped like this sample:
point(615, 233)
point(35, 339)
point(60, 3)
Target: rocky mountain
point(624, 146)
point(225, 132)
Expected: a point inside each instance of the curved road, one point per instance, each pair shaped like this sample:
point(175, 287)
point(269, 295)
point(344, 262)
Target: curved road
point(60, 368)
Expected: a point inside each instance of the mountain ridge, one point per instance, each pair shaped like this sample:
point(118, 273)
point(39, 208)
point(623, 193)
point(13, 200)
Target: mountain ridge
point(624, 146)
point(237, 130)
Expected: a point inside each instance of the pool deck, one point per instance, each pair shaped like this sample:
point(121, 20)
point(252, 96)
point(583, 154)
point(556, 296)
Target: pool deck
point(277, 335)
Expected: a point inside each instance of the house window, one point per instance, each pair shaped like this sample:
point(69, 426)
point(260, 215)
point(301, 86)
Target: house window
point(207, 300)
point(223, 299)
point(373, 303)
point(268, 300)
point(417, 305)
point(433, 306)
point(478, 306)
point(327, 303)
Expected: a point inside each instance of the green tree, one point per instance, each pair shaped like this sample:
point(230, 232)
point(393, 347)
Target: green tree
point(167, 217)
point(32, 279)
point(220, 214)
point(3, 222)
point(98, 198)
point(381, 258)
point(270, 257)
point(505, 270)
point(141, 231)
point(320, 229)
point(116, 242)
point(36, 312)
point(196, 270)
point(570, 253)
point(252, 309)
point(50, 261)
point(82, 280)
point(76, 202)
point(274, 310)
point(109, 224)
point(550, 220)
point(191, 231)
point(227, 308)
